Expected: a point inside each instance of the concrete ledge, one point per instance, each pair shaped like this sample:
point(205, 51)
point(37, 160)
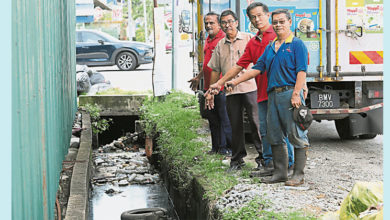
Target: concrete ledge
point(115, 105)
point(79, 186)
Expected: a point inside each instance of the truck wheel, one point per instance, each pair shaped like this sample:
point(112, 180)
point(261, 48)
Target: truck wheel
point(367, 136)
point(343, 129)
point(126, 61)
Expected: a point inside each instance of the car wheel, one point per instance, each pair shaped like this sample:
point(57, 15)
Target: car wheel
point(126, 61)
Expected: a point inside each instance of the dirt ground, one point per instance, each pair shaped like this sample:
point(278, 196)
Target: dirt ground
point(333, 167)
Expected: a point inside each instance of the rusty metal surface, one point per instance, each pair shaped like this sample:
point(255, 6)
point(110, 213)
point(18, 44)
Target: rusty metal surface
point(43, 102)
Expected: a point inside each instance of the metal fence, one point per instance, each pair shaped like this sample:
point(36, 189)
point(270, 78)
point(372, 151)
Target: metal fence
point(43, 102)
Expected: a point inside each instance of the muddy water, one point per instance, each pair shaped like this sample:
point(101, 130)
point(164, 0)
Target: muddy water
point(104, 206)
point(109, 200)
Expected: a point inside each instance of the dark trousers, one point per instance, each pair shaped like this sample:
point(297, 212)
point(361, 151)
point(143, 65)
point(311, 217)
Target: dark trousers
point(221, 132)
point(235, 105)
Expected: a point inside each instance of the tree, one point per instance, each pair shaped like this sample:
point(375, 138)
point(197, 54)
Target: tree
point(138, 12)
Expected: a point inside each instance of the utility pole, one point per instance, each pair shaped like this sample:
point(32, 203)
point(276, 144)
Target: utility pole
point(130, 22)
point(145, 23)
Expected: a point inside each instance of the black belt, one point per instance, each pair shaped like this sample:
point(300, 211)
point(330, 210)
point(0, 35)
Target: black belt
point(281, 89)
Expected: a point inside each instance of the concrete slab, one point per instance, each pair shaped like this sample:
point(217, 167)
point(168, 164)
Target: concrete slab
point(79, 187)
point(115, 105)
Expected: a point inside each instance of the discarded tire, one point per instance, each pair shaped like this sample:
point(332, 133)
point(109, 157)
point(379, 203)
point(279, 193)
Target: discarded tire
point(145, 214)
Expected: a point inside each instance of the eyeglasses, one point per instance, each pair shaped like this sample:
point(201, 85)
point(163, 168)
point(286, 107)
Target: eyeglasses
point(230, 22)
point(253, 17)
point(279, 22)
point(209, 23)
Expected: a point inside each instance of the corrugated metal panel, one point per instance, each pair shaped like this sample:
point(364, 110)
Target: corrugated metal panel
point(43, 101)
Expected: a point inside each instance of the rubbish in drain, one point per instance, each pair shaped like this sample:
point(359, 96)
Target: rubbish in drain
point(129, 143)
point(118, 163)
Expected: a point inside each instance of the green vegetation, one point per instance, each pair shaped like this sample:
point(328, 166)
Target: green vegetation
point(117, 91)
point(98, 125)
point(255, 210)
point(176, 122)
point(137, 13)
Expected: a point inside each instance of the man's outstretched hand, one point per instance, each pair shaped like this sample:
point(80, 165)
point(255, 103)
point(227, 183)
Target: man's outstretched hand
point(230, 85)
point(209, 100)
point(194, 83)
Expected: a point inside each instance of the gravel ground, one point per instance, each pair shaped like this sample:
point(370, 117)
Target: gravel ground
point(332, 168)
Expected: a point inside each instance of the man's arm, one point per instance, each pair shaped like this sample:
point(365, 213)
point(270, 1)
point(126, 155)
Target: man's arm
point(195, 81)
point(214, 76)
point(244, 77)
point(229, 75)
point(299, 85)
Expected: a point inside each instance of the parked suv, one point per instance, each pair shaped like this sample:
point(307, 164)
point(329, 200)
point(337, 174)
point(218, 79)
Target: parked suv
point(95, 48)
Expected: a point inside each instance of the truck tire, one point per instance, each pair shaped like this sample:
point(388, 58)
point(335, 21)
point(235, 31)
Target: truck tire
point(145, 213)
point(367, 136)
point(343, 129)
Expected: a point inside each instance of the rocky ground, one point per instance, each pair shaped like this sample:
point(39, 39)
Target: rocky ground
point(333, 167)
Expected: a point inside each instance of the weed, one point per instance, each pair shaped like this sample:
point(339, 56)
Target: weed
point(175, 120)
point(98, 125)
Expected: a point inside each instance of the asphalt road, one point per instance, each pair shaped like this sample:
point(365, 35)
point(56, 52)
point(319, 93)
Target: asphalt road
point(139, 79)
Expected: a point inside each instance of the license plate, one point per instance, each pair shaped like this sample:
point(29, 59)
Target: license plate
point(329, 99)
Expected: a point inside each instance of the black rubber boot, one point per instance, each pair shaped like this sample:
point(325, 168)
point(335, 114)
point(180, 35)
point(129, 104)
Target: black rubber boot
point(280, 158)
point(263, 170)
point(300, 156)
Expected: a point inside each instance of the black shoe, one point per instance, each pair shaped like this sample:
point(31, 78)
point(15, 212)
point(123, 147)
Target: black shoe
point(262, 171)
point(225, 152)
point(242, 163)
point(233, 168)
point(212, 152)
point(264, 166)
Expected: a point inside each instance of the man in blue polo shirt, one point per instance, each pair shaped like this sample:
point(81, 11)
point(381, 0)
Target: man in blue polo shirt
point(285, 61)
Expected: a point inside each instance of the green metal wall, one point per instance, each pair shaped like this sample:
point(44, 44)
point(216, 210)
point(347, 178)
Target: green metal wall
point(43, 102)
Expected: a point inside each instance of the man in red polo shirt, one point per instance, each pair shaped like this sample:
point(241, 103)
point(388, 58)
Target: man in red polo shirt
point(221, 132)
point(258, 14)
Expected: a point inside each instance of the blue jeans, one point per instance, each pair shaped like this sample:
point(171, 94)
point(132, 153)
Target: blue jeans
point(280, 120)
point(221, 131)
point(267, 153)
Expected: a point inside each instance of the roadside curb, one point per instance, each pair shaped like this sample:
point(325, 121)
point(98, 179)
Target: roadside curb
point(79, 186)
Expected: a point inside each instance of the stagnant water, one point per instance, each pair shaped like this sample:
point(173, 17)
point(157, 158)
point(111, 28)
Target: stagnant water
point(104, 206)
point(132, 167)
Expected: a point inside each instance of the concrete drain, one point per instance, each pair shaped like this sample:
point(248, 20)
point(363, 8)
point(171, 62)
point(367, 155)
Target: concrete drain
point(124, 180)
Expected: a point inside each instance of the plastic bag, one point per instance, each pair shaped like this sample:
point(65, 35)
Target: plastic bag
point(83, 82)
point(362, 196)
point(99, 88)
point(96, 78)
